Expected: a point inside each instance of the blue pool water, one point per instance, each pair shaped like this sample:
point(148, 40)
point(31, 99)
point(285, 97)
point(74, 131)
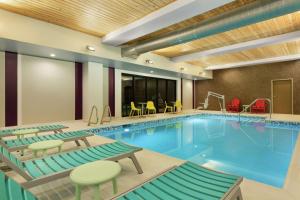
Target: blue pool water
point(254, 150)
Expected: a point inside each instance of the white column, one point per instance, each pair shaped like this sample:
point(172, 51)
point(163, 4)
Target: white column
point(178, 89)
point(118, 93)
point(187, 94)
point(92, 88)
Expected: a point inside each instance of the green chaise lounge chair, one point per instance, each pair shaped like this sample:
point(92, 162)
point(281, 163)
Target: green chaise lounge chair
point(20, 144)
point(11, 190)
point(188, 181)
point(48, 168)
point(45, 128)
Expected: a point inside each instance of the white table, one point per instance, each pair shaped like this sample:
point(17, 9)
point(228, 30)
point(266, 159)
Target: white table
point(142, 105)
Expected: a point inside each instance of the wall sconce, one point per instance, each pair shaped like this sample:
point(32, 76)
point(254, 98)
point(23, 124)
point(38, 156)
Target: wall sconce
point(148, 61)
point(90, 48)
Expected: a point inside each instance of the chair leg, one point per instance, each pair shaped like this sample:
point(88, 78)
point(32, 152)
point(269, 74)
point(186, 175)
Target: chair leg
point(86, 142)
point(136, 163)
point(130, 113)
point(77, 143)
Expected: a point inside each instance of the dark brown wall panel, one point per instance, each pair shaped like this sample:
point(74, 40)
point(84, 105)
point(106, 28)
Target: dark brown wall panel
point(11, 89)
point(111, 90)
point(249, 83)
point(78, 91)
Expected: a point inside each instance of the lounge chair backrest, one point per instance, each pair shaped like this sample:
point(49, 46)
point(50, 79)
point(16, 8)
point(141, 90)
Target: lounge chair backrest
point(150, 105)
point(260, 103)
point(11, 190)
point(178, 104)
point(132, 105)
point(9, 156)
point(235, 101)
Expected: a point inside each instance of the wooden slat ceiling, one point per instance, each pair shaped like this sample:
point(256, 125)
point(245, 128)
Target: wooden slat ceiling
point(283, 49)
point(275, 26)
point(95, 17)
point(189, 22)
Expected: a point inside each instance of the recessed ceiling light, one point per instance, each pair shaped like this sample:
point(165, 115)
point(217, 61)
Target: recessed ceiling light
point(90, 48)
point(151, 72)
point(148, 61)
point(52, 55)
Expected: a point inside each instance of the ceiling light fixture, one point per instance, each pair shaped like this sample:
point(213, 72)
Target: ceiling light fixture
point(90, 48)
point(52, 55)
point(151, 71)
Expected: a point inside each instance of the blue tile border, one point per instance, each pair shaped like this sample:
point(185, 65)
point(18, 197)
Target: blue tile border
point(251, 120)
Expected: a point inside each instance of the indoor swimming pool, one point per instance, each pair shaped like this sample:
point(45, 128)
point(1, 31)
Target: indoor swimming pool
point(252, 148)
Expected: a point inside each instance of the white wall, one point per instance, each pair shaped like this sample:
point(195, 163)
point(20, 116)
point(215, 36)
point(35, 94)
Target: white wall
point(47, 90)
point(187, 94)
point(20, 28)
point(2, 89)
point(92, 88)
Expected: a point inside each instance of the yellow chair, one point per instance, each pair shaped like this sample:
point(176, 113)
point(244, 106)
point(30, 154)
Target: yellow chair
point(177, 105)
point(134, 109)
point(150, 107)
point(168, 108)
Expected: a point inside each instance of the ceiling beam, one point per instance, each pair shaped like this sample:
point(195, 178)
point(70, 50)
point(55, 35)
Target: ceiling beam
point(171, 14)
point(255, 62)
point(239, 47)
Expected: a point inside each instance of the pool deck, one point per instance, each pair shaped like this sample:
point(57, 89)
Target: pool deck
point(153, 163)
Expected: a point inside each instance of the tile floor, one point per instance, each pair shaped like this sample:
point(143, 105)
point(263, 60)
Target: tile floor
point(153, 163)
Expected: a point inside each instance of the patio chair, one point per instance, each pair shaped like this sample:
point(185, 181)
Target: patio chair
point(56, 128)
point(168, 108)
point(260, 106)
point(150, 107)
point(134, 109)
point(20, 144)
point(234, 105)
point(48, 168)
point(187, 181)
point(177, 105)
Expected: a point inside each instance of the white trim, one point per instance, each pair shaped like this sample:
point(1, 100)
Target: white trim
point(255, 62)
point(239, 47)
point(171, 14)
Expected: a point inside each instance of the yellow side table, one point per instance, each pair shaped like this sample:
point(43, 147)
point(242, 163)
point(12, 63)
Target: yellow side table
point(21, 133)
point(45, 145)
point(94, 174)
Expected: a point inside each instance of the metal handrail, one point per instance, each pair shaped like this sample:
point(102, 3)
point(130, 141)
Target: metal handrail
point(91, 114)
point(109, 113)
point(248, 106)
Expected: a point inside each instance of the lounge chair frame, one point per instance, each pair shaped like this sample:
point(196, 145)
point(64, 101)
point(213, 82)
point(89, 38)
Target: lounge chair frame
point(31, 181)
point(57, 130)
point(75, 139)
point(234, 193)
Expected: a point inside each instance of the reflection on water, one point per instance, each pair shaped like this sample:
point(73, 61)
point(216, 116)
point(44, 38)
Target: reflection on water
point(253, 151)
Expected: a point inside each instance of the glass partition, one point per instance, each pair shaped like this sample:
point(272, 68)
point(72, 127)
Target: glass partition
point(141, 89)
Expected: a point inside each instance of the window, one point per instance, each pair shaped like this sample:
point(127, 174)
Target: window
point(142, 89)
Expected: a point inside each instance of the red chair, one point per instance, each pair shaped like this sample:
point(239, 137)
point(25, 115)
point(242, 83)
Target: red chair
point(260, 106)
point(234, 105)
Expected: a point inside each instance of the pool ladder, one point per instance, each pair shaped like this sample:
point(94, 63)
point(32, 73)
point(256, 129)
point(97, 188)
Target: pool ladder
point(95, 110)
point(249, 106)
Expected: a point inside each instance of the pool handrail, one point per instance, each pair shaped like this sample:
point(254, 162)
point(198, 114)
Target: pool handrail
point(253, 102)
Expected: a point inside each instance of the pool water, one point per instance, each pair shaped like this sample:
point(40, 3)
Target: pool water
point(256, 151)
